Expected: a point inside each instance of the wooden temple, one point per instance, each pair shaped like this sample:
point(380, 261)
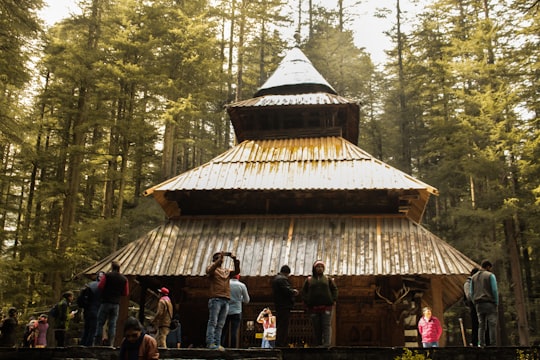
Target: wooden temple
point(296, 188)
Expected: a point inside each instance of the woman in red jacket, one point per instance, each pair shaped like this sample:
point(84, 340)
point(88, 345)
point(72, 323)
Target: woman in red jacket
point(430, 329)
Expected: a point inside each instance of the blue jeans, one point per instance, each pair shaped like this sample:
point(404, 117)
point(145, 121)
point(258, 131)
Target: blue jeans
point(322, 328)
point(90, 323)
point(234, 321)
point(487, 316)
point(268, 344)
point(430, 344)
point(107, 312)
point(217, 314)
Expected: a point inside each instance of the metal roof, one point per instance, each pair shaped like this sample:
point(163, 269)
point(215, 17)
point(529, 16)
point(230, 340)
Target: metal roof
point(293, 164)
point(294, 71)
point(326, 163)
point(349, 245)
point(319, 98)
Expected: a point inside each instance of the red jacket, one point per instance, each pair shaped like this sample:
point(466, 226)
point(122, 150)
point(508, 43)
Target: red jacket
point(430, 330)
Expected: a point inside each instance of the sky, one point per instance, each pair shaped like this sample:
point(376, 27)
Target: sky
point(369, 30)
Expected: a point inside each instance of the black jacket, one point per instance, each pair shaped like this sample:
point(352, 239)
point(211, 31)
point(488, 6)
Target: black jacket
point(114, 289)
point(283, 292)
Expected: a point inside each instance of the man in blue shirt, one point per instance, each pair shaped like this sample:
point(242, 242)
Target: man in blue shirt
point(239, 295)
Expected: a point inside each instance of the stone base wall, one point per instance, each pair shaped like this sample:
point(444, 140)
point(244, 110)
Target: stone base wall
point(337, 353)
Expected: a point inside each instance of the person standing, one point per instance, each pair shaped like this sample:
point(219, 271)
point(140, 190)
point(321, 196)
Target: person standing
point(29, 335)
point(90, 300)
point(284, 295)
point(268, 321)
point(41, 331)
point(163, 317)
point(62, 320)
point(220, 294)
point(137, 344)
point(8, 327)
point(485, 296)
point(320, 294)
point(112, 286)
point(472, 308)
point(239, 295)
point(430, 329)
point(174, 338)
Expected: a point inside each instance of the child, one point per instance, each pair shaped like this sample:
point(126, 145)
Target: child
point(430, 329)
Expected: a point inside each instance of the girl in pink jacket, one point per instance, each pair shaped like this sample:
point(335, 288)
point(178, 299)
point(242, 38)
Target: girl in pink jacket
point(430, 329)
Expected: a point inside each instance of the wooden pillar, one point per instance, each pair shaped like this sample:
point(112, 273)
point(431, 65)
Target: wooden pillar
point(142, 302)
point(122, 316)
point(438, 305)
point(333, 326)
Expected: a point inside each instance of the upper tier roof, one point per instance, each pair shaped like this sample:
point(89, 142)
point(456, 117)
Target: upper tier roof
point(310, 164)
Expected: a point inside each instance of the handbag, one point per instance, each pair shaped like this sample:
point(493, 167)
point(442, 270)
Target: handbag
point(269, 333)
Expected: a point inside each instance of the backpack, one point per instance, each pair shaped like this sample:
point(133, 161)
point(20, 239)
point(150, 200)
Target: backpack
point(54, 312)
point(85, 297)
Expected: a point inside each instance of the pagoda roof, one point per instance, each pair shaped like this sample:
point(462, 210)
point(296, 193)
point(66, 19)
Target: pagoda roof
point(304, 164)
point(349, 246)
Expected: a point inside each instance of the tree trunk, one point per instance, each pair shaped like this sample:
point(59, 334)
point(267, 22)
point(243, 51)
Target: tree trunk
point(405, 161)
point(240, 54)
point(517, 281)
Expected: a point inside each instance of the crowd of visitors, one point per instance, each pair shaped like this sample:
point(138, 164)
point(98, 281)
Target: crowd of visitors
point(100, 300)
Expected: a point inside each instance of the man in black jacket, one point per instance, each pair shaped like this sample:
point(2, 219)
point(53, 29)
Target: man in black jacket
point(113, 286)
point(283, 301)
point(8, 327)
point(484, 293)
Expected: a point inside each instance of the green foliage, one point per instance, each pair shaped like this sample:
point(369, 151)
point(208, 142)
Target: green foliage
point(412, 355)
point(527, 355)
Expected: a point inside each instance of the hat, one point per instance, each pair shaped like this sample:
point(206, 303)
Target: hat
point(164, 291)
point(319, 262)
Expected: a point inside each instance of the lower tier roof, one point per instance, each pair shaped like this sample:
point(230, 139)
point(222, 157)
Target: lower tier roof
point(349, 245)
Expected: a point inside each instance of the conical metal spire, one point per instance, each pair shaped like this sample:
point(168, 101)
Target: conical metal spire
point(295, 75)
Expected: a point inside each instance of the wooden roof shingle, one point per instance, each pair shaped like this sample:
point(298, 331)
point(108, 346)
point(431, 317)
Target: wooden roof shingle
point(325, 163)
point(349, 245)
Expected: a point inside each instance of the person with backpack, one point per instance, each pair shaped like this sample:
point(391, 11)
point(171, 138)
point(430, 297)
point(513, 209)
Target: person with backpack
point(472, 309)
point(89, 300)
point(163, 317)
point(320, 294)
point(484, 293)
point(113, 285)
point(62, 317)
